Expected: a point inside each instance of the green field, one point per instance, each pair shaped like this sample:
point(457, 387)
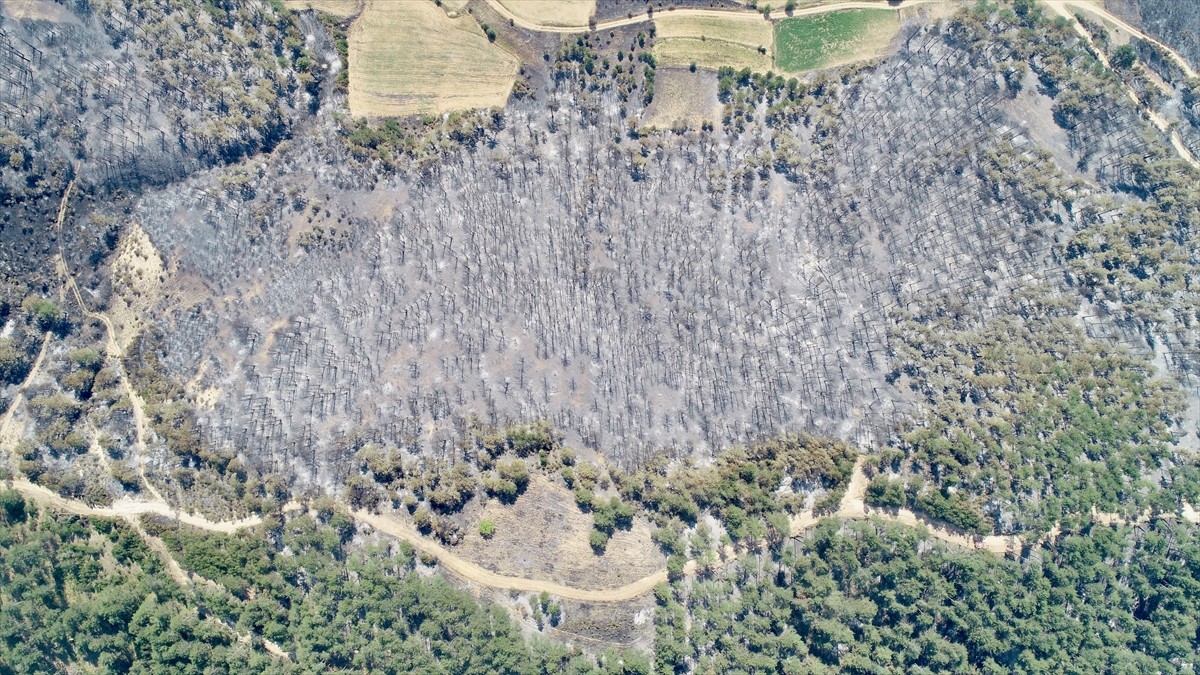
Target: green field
point(808, 43)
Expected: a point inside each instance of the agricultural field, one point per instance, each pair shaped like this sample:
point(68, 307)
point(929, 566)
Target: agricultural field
point(738, 40)
point(552, 12)
point(411, 58)
point(342, 8)
point(824, 40)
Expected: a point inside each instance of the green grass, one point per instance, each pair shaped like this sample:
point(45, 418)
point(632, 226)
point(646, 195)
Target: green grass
point(808, 43)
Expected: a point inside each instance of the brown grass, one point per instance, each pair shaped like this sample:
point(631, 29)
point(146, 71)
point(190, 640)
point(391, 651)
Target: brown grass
point(552, 12)
point(712, 42)
point(410, 58)
point(683, 97)
point(545, 536)
point(137, 281)
point(341, 8)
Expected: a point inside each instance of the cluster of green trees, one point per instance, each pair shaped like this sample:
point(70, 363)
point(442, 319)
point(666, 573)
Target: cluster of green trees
point(1029, 420)
point(591, 63)
point(745, 482)
point(750, 489)
point(394, 144)
point(91, 594)
point(1143, 259)
point(1028, 415)
point(872, 598)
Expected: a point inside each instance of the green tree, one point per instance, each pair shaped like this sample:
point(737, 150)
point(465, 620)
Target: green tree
point(1124, 57)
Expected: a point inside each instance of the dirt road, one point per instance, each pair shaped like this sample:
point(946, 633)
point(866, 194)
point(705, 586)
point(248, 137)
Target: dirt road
point(1061, 7)
point(123, 508)
point(852, 507)
point(1067, 9)
point(694, 12)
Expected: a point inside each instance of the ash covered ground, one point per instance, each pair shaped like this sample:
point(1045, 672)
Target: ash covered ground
point(665, 294)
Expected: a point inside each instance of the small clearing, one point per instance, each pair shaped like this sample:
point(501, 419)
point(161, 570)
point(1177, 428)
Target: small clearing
point(824, 40)
point(411, 58)
point(137, 280)
point(737, 40)
point(38, 10)
point(683, 98)
point(342, 8)
point(545, 536)
point(571, 13)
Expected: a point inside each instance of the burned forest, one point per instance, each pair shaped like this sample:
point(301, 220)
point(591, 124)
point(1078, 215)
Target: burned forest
point(620, 359)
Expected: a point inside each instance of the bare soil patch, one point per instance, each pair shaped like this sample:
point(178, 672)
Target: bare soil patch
point(682, 97)
point(738, 40)
point(545, 536)
point(138, 274)
point(343, 8)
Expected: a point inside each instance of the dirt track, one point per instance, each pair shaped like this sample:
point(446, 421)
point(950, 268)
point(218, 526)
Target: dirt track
point(852, 507)
point(1062, 9)
point(711, 13)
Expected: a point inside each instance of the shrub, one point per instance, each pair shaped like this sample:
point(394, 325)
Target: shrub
point(45, 314)
point(598, 541)
point(1124, 57)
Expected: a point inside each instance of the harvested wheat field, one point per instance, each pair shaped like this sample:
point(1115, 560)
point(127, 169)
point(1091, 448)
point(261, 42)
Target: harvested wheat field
point(824, 40)
point(683, 98)
point(552, 12)
point(738, 40)
point(341, 8)
point(545, 536)
point(410, 58)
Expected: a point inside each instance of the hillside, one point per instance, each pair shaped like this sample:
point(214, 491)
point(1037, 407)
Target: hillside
point(715, 311)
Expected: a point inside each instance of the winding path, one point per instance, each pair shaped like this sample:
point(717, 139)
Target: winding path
point(1061, 8)
point(852, 507)
point(112, 346)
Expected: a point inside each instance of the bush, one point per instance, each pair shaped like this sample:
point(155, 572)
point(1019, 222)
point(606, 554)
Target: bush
point(46, 315)
point(504, 490)
point(598, 541)
point(675, 566)
point(530, 439)
point(1124, 57)
point(487, 528)
point(13, 364)
point(12, 506)
point(423, 519)
point(584, 499)
point(885, 492)
point(515, 472)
